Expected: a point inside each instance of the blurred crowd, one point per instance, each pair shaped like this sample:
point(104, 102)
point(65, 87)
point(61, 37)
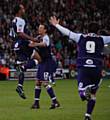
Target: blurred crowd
point(73, 14)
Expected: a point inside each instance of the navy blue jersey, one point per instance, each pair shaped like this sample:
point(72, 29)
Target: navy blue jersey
point(48, 66)
point(23, 51)
point(18, 25)
point(90, 47)
point(45, 52)
point(89, 58)
point(90, 51)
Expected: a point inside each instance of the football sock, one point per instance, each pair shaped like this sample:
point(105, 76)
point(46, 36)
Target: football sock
point(21, 79)
point(51, 93)
point(37, 94)
point(90, 105)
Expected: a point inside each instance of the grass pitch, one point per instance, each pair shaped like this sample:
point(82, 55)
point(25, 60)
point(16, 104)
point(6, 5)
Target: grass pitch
point(12, 107)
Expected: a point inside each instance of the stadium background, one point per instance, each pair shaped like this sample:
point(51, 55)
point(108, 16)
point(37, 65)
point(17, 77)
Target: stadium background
point(74, 14)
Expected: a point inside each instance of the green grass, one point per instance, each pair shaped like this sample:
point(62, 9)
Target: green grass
point(12, 107)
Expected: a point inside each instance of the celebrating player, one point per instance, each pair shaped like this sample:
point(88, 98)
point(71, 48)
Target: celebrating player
point(20, 35)
point(89, 61)
point(45, 68)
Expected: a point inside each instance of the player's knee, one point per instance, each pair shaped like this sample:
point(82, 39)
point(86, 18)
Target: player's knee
point(38, 83)
point(36, 56)
point(48, 86)
point(93, 97)
point(45, 84)
point(20, 69)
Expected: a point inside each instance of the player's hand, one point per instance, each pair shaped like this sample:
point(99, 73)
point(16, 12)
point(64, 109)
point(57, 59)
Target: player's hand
point(32, 44)
point(33, 40)
point(53, 20)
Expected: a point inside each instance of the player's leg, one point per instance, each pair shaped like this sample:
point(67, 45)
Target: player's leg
point(31, 63)
point(21, 68)
point(81, 83)
point(92, 101)
point(33, 59)
point(37, 95)
point(20, 58)
point(38, 87)
point(52, 80)
point(52, 72)
point(44, 77)
point(90, 106)
point(48, 73)
point(84, 83)
point(52, 95)
point(50, 91)
point(23, 62)
point(19, 88)
point(90, 78)
point(36, 56)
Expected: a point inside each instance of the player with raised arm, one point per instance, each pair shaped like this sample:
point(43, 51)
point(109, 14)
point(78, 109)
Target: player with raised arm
point(20, 34)
point(89, 61)
point(45, 68)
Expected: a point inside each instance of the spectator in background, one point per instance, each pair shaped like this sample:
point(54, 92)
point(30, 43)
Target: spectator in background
point(38, 11)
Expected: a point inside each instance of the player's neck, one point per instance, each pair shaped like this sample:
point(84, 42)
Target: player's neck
point(19, 15)
point(43, 34)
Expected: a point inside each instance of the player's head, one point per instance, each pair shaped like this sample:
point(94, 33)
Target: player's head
point(93, 27)
point(43, 29)
point(19, 9)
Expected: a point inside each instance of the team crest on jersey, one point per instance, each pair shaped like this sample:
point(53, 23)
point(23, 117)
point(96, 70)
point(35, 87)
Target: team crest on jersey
point(89, 61)
point(20, 25)
point(80, 85)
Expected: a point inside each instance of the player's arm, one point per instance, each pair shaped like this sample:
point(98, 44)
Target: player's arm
point(44, 43)
point(25, 36)
point(72, 35)
point(106, 39)
point(35, 44)
point(20, 31)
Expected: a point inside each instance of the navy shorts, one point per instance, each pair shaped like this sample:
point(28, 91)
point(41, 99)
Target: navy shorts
point(46, 69)
point(22, 50)
point(89, 77)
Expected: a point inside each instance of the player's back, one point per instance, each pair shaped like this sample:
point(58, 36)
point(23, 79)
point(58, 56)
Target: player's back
point(90, 49)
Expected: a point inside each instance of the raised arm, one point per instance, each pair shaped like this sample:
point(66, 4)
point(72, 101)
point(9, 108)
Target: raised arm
point(106, 39)
point(72, 35)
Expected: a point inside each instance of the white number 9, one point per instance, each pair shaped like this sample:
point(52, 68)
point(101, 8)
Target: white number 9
point(90, 46)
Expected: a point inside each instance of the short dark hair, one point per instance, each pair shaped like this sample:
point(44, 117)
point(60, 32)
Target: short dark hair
point(45, 27)
point(16, 9)
point(93, 27)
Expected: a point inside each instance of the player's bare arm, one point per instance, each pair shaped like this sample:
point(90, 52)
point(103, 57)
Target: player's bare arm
point(35, 44)
point(23, 35)
point(54, 21)
point(72, 35)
